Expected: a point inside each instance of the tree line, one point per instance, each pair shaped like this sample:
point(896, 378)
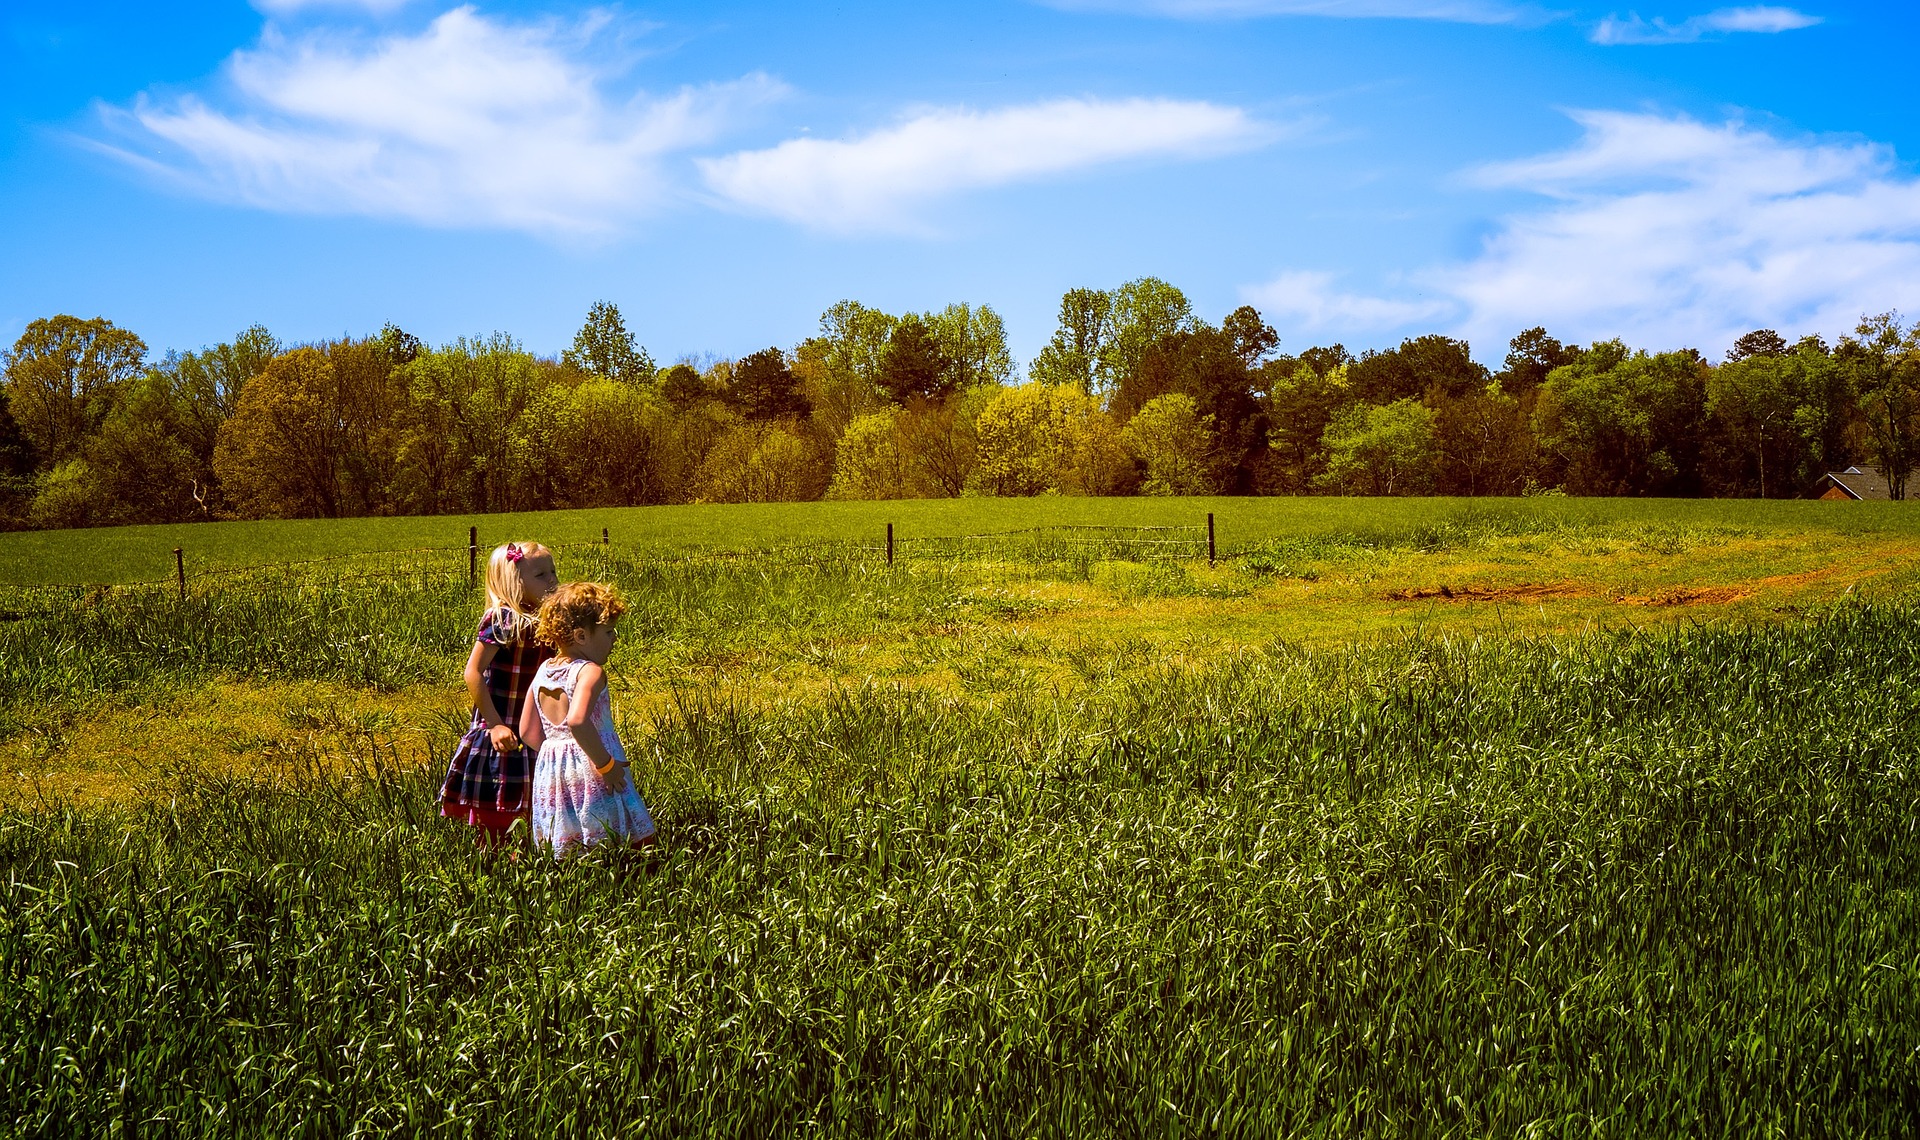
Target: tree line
point(1133, 394)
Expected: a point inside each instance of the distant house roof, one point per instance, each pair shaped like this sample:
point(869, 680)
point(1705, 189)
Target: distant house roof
point(1853, 483)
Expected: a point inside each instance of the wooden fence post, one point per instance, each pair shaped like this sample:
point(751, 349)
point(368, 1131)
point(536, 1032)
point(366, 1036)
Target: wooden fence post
point(180, 571)
point(889, 544)
point(1209, 538)
point(604, 540)
point(473, 557)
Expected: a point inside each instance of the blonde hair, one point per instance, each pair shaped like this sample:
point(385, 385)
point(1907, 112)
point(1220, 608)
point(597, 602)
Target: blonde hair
point(503, 582)
point(575, 607)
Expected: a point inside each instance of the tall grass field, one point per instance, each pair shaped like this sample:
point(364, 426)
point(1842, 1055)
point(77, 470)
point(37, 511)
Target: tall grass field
point(1541, 819)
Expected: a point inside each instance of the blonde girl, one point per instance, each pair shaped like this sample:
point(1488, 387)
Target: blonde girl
point(487, 782)
point(582, 792)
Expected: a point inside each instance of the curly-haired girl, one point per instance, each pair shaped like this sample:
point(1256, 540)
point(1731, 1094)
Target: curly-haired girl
point(582, 793)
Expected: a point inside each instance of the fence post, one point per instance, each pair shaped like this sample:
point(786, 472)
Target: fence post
point(1209, 538)
point(180, 571)
point(889, 544)
point(473, 557)
point(604, 540)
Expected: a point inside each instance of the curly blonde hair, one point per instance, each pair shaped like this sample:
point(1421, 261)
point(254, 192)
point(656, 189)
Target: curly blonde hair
point(576, 607)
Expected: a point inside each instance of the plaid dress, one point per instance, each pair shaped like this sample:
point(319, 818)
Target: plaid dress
point(485, 787)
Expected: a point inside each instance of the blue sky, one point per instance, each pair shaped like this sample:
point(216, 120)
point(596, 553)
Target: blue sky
point(1361, 170)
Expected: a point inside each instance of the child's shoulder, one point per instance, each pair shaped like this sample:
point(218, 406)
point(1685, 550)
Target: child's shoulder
point(504, 625)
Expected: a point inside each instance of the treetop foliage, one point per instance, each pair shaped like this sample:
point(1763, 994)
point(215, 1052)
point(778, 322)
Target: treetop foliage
point(1132, 393)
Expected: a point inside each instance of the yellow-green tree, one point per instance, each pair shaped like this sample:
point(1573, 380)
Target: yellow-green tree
point(1175, 442)
point(596, 441)
point(761, 461)
point(278, 456)
point(57, 371)
point(465, 441)
point(872, 460)
point(1048, 437)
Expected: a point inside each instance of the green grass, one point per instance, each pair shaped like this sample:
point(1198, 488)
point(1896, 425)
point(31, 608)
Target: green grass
point(145, 553)
point(1020, 839)
point(1621, 886)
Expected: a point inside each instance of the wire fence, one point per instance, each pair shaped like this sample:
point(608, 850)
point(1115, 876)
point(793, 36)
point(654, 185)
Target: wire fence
point(464, 566)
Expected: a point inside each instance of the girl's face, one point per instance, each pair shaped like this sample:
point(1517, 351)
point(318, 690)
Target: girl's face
point(594, 645)
point(537, 580)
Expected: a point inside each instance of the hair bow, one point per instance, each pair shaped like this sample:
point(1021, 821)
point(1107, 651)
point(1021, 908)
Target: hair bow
point(514, 553)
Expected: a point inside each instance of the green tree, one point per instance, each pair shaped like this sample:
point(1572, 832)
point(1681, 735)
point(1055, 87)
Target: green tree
point(839, 370)
point(1483, 443)
point(57, 375)
point(1380, 450)
point(1300, 406)
point(1072, 357)
point(464, 438)
point(372, 407)
point(944, 438)
point(1209, 367)
point(974, 343)
point(913, 365)
point(1617, 422)
point(141, 461)
point(1759, 342)
point(1024, 442)
point(1531, 356)
point(1430, 368)
point(1770, 410)
point(1253, 339)
point(763, 387)
point(604, 347)
point(1144, 311)
point(682, 387)
point(1174, 441)
point(17, 466)
point(1883, 357)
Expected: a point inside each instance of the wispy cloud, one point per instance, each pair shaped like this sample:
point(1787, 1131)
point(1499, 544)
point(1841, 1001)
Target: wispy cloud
point(289, 7)
point(1765, 19)
point(1669, 232)
point(292, 6)
point(876, 181)
point(1308, 301)
point(1459, 11)
point(471, 122)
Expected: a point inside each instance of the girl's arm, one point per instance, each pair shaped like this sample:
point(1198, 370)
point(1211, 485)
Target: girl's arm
point(532, 733)
point(497, 727)
point(586, 690)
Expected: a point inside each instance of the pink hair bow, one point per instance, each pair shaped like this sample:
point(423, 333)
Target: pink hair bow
point(514, 553)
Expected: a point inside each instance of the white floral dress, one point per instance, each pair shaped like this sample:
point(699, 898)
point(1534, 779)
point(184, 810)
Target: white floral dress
point(572, 807)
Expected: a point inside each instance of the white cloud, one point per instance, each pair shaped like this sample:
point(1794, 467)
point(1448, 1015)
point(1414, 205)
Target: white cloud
point(1764, 18)
point(875, 181)
point(1308, 300)
point(290, 7)
point(1460, 11)
point(1670, 232)
point(471, 122)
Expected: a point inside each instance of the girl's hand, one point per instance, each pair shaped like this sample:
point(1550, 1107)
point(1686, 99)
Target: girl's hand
point(504, 738)
point(614, 779)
